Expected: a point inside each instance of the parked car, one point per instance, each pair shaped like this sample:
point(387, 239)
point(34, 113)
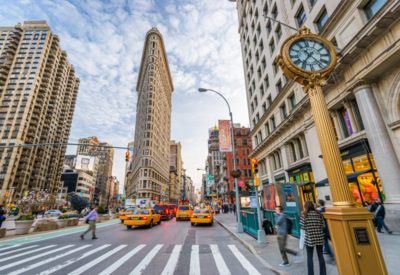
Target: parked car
point(164, 211)
point(52, 213)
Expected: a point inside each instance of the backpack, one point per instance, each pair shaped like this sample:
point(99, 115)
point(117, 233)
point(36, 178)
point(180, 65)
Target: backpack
point(289, 225)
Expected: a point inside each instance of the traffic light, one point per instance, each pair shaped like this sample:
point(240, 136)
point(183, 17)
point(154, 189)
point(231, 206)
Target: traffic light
point(256, 181)
point(127, 156)
point(254, 166)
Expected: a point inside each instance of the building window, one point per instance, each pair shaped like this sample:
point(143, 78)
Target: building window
point(372, 7)
point(267, 132)
point(269, 27)
point(278, 32)
point(266, 82)
point(292, 101)
point(275, 67)
point(279, 86)
point(264, 107)
point(283, 111)
point(301, 16)
point(358, 115)
point(269, 100)
point(322, 19)
point(345, 122)
point(292, 2)
point(274, 12)
point(312, 3)
point(272, 122)
point(272, 46)
point(265, 9)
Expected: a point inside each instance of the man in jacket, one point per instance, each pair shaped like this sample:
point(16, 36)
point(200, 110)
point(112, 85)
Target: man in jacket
point(91, 220)
point(282, 232)
point(379, 213)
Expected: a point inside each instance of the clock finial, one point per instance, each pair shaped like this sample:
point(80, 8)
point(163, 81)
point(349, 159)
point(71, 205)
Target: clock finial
point(304, 30)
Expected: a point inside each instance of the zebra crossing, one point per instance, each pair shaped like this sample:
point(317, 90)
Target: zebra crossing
point(106, 259)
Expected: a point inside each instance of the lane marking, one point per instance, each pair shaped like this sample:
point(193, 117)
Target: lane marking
point(173, 260)
point(55, 234)
point(146, 260)
point(73, 260)
point(32, 266)
point(195, 260)
point(122, 260)
point(243, 261)
point(25, 253)
point(9, 247)
point(97, 260)
point(219, 261)
point(16, 250)
point(34, 257)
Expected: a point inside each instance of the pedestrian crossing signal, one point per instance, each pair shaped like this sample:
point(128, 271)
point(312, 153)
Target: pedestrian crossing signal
point(127, 156)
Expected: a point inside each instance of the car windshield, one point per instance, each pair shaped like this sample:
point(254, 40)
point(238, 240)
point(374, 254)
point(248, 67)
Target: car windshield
point(130, 210)
point(198, 211)
point(184, 208)
point(141, 212)
point(160, 207)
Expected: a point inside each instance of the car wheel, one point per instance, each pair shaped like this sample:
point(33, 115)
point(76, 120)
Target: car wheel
point(129, 227)
point(159, 222)
point(192, 223)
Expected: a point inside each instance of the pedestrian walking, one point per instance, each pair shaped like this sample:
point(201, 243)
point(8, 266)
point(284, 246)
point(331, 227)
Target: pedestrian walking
point(2, 215)
point(379, 214)
point(234, 209)
point(91, 220)
point(282, 231)
point(313, 224)
point(327, 235)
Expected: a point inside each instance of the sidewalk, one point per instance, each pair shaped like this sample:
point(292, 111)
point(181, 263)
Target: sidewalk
point(271, 258)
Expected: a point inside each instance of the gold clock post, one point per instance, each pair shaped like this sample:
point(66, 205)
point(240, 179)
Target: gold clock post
point(352, 231)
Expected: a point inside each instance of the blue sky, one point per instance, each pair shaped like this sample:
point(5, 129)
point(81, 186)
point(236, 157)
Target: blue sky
point(104, 41)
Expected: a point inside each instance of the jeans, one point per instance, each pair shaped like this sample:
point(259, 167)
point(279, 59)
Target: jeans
point(381, 222)
point(310, 261)
point(283, 249)
point(327, 247)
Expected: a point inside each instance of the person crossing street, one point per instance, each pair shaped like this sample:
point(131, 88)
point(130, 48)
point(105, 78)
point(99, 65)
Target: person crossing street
point(91, 219)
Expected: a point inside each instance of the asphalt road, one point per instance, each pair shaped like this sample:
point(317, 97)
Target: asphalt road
point(170, 248)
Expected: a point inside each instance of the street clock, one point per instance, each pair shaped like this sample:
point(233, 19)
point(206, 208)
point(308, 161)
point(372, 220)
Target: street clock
point(306, 56)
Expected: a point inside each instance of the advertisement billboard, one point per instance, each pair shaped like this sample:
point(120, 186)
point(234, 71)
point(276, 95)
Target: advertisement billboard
point(224, 135)
point(86, 163)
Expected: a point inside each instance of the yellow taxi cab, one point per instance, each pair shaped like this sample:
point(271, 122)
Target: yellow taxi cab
point(202, 216)
point(184, 212)
point(142, 217)
point(124, 212)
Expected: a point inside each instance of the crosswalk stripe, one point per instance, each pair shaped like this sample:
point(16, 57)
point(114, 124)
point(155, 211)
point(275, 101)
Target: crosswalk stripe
point(9, 247)
point(122, 260)
point(243, 261)
point(32, 266)
point(195, 261)
point(16, 250)
point(34, 257)
point(173, 260)
point(73, 260)
point(146, 260)
point(97, 260)
point(25, 253)
point(219, 261)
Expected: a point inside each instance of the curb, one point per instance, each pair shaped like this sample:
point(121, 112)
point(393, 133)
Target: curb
point(251, 249)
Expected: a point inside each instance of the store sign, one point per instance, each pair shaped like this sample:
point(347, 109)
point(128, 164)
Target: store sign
point(224, 136)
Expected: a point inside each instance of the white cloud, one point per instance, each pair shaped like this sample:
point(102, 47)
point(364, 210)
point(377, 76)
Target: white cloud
point(104, 41)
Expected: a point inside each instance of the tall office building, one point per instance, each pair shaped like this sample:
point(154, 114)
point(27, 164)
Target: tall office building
point(105, 154)
point(38, 90)
point(175, 170)
point(150, 168)
point(363, 96)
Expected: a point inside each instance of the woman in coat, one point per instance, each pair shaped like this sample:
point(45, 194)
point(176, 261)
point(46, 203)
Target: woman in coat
point(313, 224)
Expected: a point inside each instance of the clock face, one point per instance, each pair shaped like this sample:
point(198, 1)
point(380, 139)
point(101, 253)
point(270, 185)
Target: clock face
point(309, 55)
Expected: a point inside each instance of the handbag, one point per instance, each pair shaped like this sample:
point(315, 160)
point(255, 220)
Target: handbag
point(302, 239)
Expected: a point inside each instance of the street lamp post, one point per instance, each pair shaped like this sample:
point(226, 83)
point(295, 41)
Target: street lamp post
point(239, 227)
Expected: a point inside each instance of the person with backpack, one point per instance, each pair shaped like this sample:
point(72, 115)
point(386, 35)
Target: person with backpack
point(378, 210)
point(284, 227)
point(327, 235)
point(312, 223)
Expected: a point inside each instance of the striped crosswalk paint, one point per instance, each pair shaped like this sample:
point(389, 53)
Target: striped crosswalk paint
point(195, 261)
point(17, 250)
point(46, 261)
point(219, 261)
point(25, 253)
point(244, 262)
point(34, 257)
point(146, 260)
point(9, 247)
point(97, 260)
point(73, 260)
point(173, 260)
point(122, 260)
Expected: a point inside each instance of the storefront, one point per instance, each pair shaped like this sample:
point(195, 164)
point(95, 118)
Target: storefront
point(303, 176)
point(359, 165)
